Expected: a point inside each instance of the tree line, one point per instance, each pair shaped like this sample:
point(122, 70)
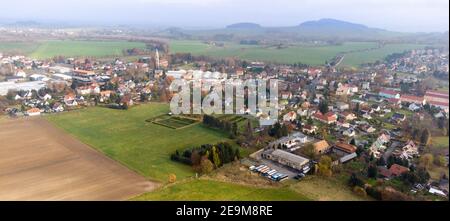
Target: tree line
point(207, 157)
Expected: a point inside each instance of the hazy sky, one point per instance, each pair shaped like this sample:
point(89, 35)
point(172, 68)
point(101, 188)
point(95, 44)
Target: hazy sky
point(397, 15)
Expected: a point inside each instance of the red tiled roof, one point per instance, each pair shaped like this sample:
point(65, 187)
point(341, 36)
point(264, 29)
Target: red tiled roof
point(393, 100)
point(437, 103)
point(398, 170)
point(34, 110)
point(437, 94)
point(406, 97)
point(345, 147)
point(391, 92)
point(328, 117)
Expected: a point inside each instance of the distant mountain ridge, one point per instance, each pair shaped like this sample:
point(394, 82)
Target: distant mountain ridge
point(244, 25)
point(332, 23)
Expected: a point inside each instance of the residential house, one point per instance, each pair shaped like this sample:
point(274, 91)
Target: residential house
point(47, 97)
point(33, 112)
point(286, 95)
point(58, 107)
point(379, 145)
point(126, 101)
point(105, 95)
point(387, 93)
point(70, 100)
point(302, 112)
point(367, 128)
point(394, 171)
point(328, 118)
point(342, 106)
point(397, 117)
point(309, 129)
point(397, 170)
point(436, 96)
point(321, 147)
point(89, 89)
point(290, 141)
point(437, 99)
point(350, 132)
point(343, 149)
point(408, 151)
point(413, 107)
point(412, 99)
point(291, 116)
point(348, 116)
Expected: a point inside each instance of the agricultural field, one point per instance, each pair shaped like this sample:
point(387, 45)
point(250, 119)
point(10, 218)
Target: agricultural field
point(69, 48)
point(313, 55)
point(49, 49)
point(127, 137)
point(42, 162)
point(18, 47)
point(358, 58)
point(200, 189)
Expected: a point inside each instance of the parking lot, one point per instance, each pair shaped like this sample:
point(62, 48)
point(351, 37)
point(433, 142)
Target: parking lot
point(291, 173)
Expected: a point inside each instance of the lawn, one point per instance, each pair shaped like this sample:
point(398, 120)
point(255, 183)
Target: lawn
point(200, 190)
point(18, 47)
point(70, 48)
point(441, 143)
point(126, 137)
point(313, 55)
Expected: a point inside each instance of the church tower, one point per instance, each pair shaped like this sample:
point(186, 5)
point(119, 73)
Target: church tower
point(157, 64)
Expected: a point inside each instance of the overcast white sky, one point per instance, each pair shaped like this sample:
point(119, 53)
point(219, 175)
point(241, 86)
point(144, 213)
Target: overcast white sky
point(396, 15)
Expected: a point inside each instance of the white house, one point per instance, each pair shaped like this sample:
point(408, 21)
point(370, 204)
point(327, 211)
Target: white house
point(349, 132)
point(414, 107)
point(47, 97)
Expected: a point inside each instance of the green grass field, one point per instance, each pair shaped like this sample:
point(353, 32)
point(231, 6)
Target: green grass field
point(126, 137)
point(313, 55)
point(71, 48)
point(358, 58)
point(440, 142)
point(18, 47)
point(199, 190)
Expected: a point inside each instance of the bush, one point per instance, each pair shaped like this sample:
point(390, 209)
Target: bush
point(360, 191)
point(206, 166)
point(172, 178)
point(374, 193)
point(355, 181)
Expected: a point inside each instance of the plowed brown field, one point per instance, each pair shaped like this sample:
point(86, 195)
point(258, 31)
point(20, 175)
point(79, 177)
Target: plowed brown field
point(41, 162)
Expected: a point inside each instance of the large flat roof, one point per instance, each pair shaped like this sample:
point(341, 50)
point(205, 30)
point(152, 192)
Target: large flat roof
point(289, 156)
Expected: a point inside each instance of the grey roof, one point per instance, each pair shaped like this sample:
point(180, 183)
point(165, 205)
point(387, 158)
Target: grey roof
point(347, 157)
point(289, 156)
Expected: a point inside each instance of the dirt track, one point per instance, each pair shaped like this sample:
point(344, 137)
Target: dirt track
point(41, 162)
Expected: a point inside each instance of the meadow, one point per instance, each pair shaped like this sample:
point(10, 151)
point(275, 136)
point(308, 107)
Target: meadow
point(142, 146)
point(357, 58)
point(18, 47)
point(69, 48)
point(357, 52)
point(200, 190)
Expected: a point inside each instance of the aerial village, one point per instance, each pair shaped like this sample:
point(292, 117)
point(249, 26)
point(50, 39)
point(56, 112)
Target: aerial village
point(376, 119)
